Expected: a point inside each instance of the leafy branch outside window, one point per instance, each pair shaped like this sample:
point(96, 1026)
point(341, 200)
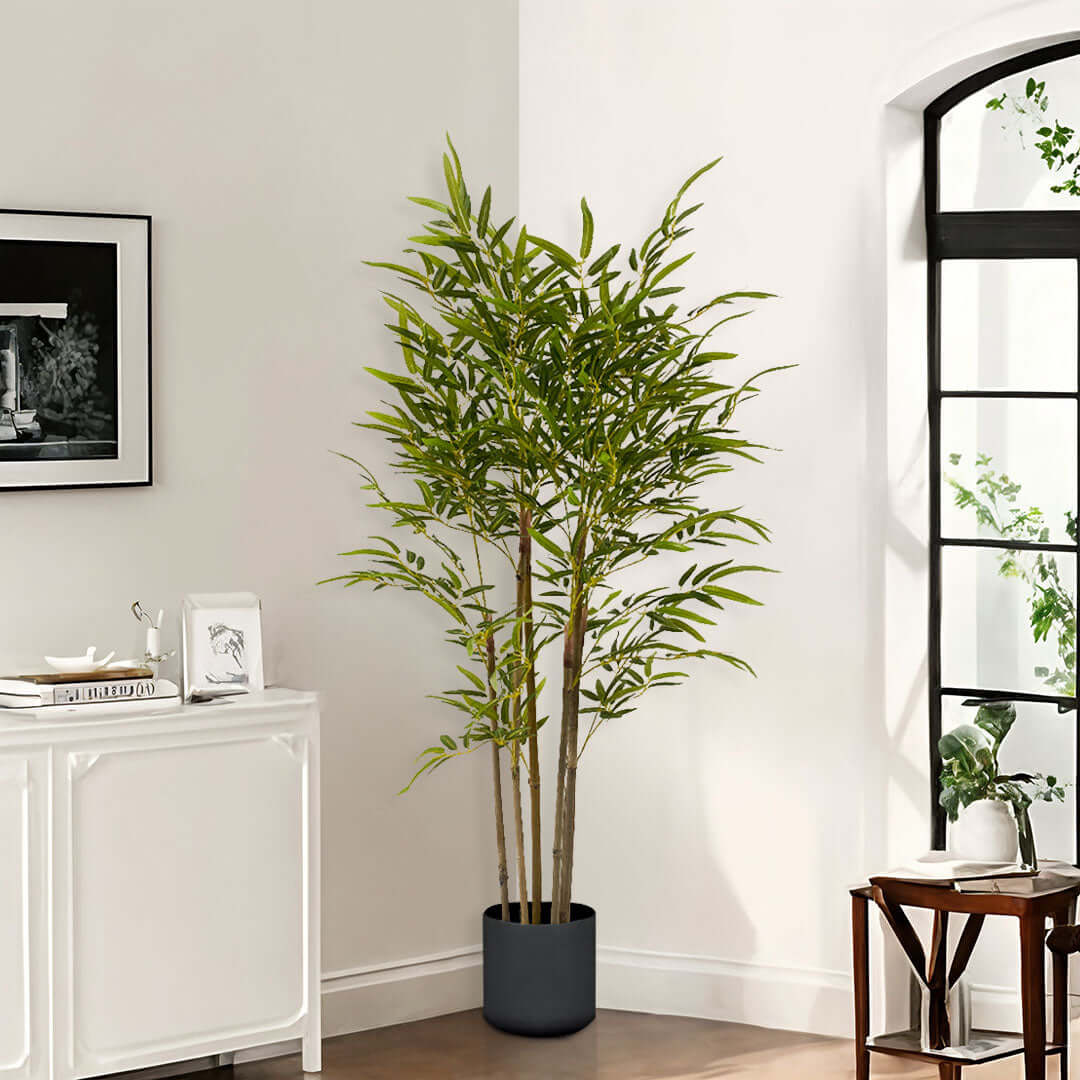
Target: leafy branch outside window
point(994, 499)
point(1055, 143)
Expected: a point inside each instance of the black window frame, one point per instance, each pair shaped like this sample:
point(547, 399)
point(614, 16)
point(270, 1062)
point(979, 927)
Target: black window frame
point(983, 234)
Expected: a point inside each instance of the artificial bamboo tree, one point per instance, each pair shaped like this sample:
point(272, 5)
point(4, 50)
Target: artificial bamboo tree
point(555, 421)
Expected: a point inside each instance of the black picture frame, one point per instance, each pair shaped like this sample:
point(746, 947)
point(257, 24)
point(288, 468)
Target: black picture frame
point(124, 456)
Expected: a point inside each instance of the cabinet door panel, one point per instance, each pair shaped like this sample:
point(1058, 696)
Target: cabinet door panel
point(22, 903)
point(188, 921)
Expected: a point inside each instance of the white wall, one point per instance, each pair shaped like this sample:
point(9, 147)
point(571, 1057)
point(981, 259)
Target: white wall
point(274, 144)
point(721, 826)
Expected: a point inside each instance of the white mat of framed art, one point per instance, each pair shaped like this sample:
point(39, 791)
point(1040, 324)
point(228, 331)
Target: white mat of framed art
point(75, 364)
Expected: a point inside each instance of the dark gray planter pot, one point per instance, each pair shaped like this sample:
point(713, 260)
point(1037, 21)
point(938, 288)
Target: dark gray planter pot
point(540, 980)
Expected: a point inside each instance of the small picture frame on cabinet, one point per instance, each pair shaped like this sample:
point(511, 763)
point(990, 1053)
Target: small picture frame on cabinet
point(222, 643)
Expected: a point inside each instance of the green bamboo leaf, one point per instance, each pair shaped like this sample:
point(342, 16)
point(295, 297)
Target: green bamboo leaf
point(431, 204)
point(560, 255)
point(547, 544)
point(485, 210)
point(393, 379)
point(586, 229)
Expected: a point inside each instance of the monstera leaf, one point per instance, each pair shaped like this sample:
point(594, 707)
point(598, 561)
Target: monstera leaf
point(968, 767)
point(969, 748)
point(996, 719)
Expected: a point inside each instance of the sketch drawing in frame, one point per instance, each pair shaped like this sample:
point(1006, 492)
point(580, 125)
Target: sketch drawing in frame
point(222, 638)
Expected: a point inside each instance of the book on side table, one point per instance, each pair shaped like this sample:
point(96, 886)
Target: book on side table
point(967, 875)
point(108, 687)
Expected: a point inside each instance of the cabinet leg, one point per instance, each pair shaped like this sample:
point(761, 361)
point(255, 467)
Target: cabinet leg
point(1032, 995)
point(311, 1054)
point(860, 940)
point(225, 1061)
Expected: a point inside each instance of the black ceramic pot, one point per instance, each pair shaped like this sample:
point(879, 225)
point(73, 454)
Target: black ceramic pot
point(540, 980)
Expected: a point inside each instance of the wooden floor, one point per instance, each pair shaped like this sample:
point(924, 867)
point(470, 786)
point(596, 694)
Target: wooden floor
point(617, 1046)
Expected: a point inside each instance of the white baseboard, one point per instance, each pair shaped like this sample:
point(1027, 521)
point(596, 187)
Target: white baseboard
point(998, 1007)
point(394, 993)
point(793, 999)
point(631, 979)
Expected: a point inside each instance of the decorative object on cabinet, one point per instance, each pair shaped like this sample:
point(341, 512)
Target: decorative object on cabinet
point(79, 665)
point(112, 686)
point(150, 916)
point(74, 350)
point(152, 654)
point(222, 635)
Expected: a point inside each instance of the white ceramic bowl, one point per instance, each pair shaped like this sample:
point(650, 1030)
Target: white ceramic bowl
point(78, 665)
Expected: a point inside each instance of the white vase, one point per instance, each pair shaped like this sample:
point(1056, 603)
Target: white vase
point(985, 831)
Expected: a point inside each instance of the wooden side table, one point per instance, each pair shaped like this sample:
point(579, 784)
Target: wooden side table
point(1048, 900)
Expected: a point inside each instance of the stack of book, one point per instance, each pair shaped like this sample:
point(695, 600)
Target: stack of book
point(107, 687)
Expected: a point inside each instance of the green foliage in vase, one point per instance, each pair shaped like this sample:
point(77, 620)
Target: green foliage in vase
point(970, 771)
point(994, 499)
point(1054, 142)
point(553, 424)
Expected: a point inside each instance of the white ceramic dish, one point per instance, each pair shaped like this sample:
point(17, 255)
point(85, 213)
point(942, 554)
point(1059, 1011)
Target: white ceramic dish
point(78, 665)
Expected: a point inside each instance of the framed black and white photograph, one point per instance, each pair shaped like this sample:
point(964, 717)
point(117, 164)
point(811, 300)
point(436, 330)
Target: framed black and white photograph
point(74, 350)
point(222, 642)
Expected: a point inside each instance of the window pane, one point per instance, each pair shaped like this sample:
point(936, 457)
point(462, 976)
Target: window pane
point(1041, 741)
point(1009, 468)
point(988, 601)
point(1008, 324)
point(990, 157)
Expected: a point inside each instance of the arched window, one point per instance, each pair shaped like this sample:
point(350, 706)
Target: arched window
point(1002, 185)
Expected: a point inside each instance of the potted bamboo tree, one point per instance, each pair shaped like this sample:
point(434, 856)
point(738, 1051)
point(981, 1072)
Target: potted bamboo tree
point(552, 426)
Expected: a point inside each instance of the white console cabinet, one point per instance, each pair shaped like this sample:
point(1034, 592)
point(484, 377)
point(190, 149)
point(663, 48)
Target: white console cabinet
point(159, 884)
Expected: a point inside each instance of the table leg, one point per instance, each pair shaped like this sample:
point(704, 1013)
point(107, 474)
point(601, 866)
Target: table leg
point(1032, 995)
point(948, 1070)
point(1063, 917)
point(937, 982)
point(860, 942)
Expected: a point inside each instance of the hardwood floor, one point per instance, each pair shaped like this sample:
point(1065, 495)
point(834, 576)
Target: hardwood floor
point(617, 1046)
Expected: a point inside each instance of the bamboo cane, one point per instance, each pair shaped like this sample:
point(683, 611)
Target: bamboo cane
point(525, 545)
point(570, 798)
point(515, 754)
point(496, 769)
point(560, 789)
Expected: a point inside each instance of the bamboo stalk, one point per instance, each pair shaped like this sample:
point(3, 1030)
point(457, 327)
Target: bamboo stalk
point(515, 754)
point(525, 545)
point(500, 833)
point(496, 770)
point(519, 833)
point(560, 789)
point(572, 652)
point(570, 803)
